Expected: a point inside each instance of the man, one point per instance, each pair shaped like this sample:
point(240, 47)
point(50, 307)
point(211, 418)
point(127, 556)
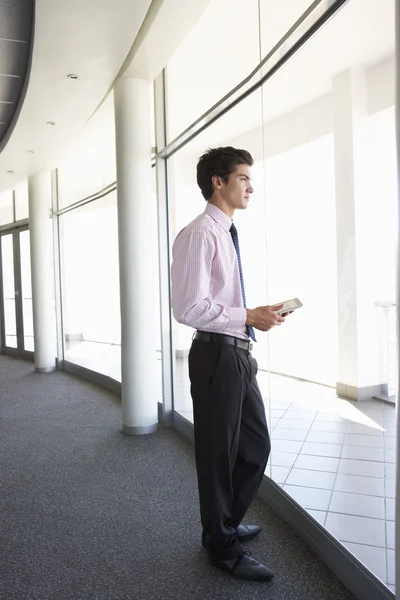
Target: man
point(232, 442)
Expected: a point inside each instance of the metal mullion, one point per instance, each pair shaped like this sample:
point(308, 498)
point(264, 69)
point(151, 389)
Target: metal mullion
point(167, 345)
point(2, 306)
point(253, 81)
point(57, 270)
point(18, 288)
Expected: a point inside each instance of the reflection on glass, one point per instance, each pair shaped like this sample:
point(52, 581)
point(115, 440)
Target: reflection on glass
point(26, 284)
point(10, 321)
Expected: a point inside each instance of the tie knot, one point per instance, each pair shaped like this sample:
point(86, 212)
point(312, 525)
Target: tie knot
point(233, 229)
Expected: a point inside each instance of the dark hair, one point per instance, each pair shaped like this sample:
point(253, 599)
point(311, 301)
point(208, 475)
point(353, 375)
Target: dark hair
point(221, 162)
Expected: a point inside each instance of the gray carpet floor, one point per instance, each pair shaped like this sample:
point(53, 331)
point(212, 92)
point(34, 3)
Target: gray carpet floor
point(90, 513)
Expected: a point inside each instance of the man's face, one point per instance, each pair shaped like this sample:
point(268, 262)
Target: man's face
point(237, 191)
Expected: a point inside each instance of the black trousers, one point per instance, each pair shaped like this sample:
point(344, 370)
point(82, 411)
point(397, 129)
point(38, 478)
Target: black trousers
point(232, 443)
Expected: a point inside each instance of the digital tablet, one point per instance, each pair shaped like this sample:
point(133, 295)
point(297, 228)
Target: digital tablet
point(289, 305)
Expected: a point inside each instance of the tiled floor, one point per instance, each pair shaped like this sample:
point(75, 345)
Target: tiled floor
point(336, 458)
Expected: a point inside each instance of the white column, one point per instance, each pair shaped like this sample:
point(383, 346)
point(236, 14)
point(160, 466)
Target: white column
point(397, 525)
point(39, 190)
point(137, 230)
point(360, 371)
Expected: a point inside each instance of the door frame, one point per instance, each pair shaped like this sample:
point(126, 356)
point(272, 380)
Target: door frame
point(20, 351)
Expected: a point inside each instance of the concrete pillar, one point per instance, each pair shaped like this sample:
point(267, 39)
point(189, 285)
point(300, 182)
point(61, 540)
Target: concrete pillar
point(137, 231)
point(39, 190)
point(361, 372)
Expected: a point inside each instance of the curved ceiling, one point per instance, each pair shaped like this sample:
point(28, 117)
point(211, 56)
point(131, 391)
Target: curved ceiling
point(87, 38)
point(16, 37)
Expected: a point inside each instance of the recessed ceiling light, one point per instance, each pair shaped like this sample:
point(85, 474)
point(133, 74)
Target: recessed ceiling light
point(11, 172)
point(30, 152)
point(72, 76)
point(50, 123)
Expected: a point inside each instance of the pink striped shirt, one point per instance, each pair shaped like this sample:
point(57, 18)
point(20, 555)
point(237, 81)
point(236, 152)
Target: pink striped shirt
point(206, 291)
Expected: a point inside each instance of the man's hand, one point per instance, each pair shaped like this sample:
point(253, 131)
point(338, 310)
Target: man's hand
point(264, 318)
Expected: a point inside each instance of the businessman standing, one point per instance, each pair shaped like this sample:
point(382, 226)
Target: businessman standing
point(232, 443)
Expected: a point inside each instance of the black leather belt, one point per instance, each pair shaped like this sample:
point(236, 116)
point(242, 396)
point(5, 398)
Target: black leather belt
point(220, 338)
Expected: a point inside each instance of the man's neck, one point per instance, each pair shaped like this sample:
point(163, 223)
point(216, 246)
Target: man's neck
point(219, 203)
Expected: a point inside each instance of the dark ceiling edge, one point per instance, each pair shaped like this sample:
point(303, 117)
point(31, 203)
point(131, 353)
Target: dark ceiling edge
point(7, 135)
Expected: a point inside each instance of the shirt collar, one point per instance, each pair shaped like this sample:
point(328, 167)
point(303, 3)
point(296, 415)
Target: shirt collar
point(219, 216)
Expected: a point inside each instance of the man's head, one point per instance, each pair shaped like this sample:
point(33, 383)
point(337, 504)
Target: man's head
point(224, 177)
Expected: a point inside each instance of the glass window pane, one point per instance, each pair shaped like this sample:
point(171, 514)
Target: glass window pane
point(21, 201)
point(207, 64)
point(26, 284)
point(7, 249)
point(90, 283)
point(6, 208)
point(92, 166)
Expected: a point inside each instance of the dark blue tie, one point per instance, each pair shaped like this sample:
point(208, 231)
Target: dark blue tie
point(235, 239)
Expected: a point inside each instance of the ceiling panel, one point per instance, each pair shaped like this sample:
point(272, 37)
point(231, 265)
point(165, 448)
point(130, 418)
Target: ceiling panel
point(13, 57)
point(10, 88)
point(16, 19)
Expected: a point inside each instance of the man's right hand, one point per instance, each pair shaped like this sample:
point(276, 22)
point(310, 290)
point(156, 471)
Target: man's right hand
point(264, 318)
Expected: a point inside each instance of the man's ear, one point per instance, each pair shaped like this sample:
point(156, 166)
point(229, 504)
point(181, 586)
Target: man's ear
point(216, 181)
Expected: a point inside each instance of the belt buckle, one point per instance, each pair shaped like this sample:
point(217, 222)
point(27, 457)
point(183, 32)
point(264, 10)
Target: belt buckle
point(250, 346)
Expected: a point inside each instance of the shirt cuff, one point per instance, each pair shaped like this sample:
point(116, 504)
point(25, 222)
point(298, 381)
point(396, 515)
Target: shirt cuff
point(237, 317)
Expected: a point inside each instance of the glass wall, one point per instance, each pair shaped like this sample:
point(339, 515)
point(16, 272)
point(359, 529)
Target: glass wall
point(321, 226)
point(90, 284)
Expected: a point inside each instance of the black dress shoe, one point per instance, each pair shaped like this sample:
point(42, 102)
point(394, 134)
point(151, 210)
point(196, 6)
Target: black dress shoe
point(245, 533)
point(244, 567)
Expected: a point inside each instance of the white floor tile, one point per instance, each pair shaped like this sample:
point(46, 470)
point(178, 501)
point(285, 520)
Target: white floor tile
point(294, 435)
point(279, 474)
point(300, 415)
point(358, 504)
point(360, 530)
point(390, 431)
point(318, 515)
point(315, 449)
point(390, 509)
point(369, 468)
point(390, 470)
point(390, 535)
point(390, 455)
point(389, 443)
point(369, 486)
point(282, 459)
point(286, 423)
point(371, 441)
point(309, 497)
point(286, 446)
point(275, 413)
point(363, 453)
point(317, 463)
point(391, 567)
point(390, 488)
point(356, 428)
point(313, 479)
point(330, 418)
point(329, 426)
point(372, 557)
point(325, 437)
